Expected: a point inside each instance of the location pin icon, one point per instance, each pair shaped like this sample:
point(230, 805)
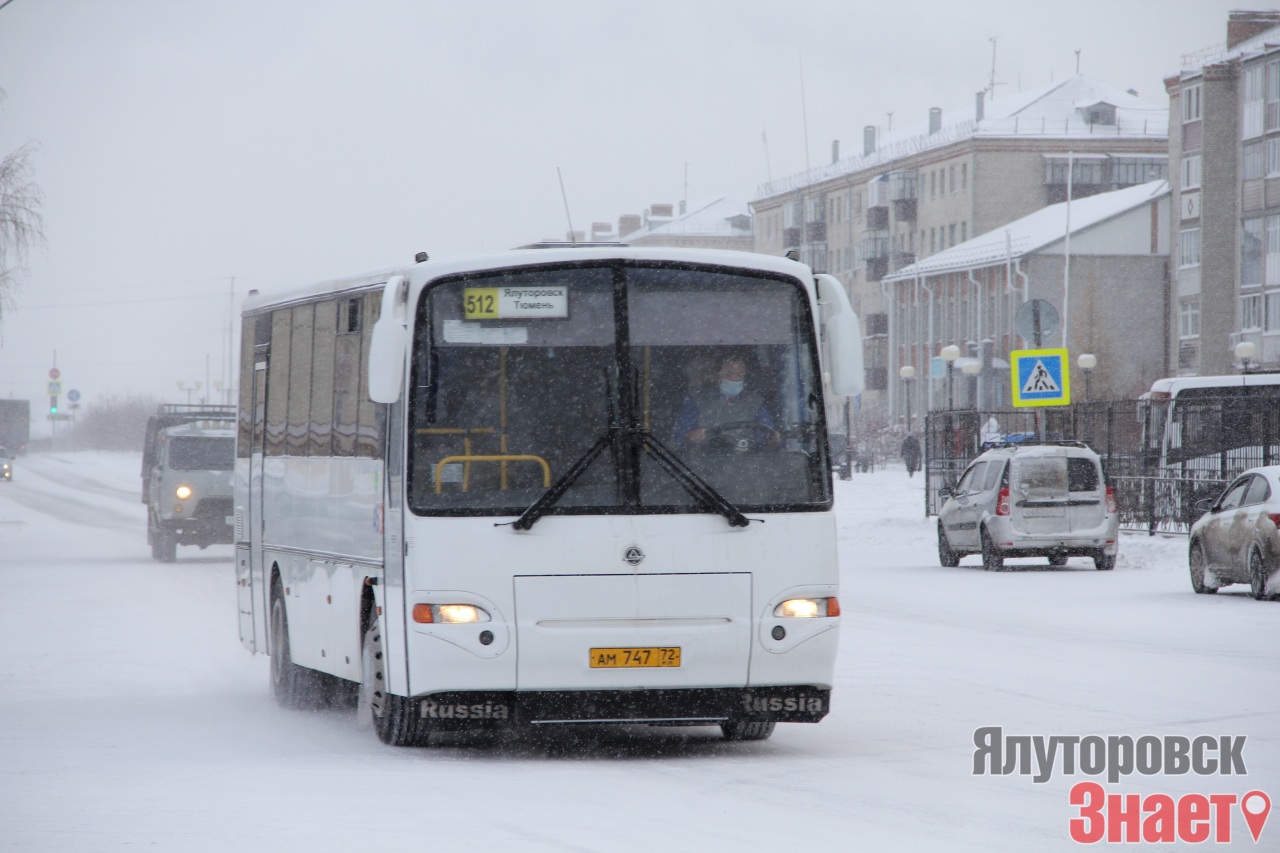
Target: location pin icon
point(1256, 806)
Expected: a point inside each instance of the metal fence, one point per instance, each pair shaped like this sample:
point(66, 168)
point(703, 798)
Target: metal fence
point(1161, 460)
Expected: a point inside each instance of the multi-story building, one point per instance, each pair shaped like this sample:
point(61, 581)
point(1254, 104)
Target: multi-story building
point(1224, 149)
point(923, 187)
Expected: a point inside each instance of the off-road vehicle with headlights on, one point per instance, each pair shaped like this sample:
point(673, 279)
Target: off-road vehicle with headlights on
point(187, 469)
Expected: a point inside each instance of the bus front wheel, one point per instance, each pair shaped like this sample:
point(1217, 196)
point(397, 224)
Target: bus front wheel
point(395, 718)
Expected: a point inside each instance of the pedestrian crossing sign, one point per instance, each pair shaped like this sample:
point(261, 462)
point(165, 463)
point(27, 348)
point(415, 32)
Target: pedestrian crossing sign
point(1041, 377)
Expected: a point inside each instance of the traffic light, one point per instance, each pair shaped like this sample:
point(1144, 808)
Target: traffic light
point(53, 405)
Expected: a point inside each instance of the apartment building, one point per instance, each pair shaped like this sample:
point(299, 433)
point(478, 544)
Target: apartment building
point(1224, 149)
point(922, 187)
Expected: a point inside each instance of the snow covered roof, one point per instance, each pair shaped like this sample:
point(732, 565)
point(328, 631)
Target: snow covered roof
point(720, 218)
point(1194, 63)
point(1048, 111)
point(1034, 231)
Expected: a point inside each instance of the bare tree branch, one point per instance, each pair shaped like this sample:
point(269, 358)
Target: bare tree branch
point(21, 225)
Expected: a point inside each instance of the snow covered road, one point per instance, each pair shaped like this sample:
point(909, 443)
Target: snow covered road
point(130, 716)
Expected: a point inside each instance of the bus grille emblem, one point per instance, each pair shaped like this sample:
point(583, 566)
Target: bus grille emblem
point(633, 556)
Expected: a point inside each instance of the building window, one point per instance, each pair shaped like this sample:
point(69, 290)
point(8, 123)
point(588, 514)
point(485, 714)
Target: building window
point(1191, 103)
point(1252, 120)
point(1189, 248)
point(952, 229)
point(1273, 156)
point(1273, 311)
point(964, 176)
point(1189, 318)
point(1273, 96)
point(1271, 269)
point(933, 185)
point(1191, 172)
point(933, 240)
point(964, 231)
point(1251, 313)
point(1251, 237)
point(952, 171)
point(1128, 171)
point(1254, 161)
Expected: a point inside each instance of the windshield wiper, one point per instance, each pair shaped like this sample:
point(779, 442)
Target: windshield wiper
point(539, 507)
point(699, 489)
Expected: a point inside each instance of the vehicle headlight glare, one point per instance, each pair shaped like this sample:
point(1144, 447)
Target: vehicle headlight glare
point(807, 608)
point(183, 492)
point(448, 613)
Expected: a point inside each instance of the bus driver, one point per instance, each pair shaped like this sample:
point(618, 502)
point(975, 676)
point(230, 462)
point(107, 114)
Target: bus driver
point(727, 407)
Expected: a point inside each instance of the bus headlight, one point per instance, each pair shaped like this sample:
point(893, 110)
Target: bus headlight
point(183, 492)
point(448, 613)
point(807, 608)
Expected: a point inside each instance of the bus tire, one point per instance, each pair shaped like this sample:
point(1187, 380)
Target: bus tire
point(292, 686)
point(747, 729)
point(395, 718)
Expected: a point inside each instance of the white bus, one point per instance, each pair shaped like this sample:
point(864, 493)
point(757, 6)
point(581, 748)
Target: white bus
point(1201, 427)
point(463, 491)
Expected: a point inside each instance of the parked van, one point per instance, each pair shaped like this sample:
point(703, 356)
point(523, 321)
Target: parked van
point(1018, 500)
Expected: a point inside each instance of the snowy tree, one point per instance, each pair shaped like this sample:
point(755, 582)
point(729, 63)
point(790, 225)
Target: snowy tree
point(21, 225)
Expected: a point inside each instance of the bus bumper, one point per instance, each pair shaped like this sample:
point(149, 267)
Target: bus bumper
point(468, 709)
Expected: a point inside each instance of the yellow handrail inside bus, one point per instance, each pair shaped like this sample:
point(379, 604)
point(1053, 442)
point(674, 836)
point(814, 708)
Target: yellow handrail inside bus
point(502, 459)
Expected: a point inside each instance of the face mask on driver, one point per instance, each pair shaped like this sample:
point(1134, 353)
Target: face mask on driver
point(731, 387)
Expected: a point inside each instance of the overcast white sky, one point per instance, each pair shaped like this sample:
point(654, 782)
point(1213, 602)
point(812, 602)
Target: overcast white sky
point(186, 142)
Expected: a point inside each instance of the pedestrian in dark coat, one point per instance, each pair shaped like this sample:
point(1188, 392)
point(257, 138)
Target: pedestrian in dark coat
point(911, 454)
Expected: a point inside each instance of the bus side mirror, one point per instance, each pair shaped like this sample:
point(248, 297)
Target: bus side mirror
point(844, 340)
point(389, 343)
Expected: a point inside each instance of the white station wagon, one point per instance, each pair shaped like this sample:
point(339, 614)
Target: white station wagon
point(1047, 500)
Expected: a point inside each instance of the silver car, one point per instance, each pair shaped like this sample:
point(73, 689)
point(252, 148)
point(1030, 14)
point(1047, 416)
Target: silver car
point(1236, 540)
point(1049, 500)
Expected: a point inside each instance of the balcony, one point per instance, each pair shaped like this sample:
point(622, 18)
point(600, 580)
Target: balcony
point(902, 194)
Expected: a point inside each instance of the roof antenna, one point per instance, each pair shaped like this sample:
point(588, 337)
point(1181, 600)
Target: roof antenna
point(1078, 60)
point(563, 195)
point(992, 87)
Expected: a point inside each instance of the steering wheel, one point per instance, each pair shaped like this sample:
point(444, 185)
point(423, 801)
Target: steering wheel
point(736, 436)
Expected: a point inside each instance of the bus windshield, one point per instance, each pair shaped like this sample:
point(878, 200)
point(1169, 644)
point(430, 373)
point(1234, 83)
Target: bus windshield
point(615, 370)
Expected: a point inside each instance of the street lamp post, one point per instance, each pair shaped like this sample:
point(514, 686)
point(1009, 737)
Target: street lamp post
point(907, 373)
point(1087, 361)
point(1245, 351)
point(971, 369)
point(949, 354)
point(190, 389)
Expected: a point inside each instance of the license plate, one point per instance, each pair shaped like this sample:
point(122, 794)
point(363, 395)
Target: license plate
point(622, 658)
point(1043, 512)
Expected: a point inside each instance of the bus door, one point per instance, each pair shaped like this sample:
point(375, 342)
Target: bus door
point(393, 544)
point(252, 589)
